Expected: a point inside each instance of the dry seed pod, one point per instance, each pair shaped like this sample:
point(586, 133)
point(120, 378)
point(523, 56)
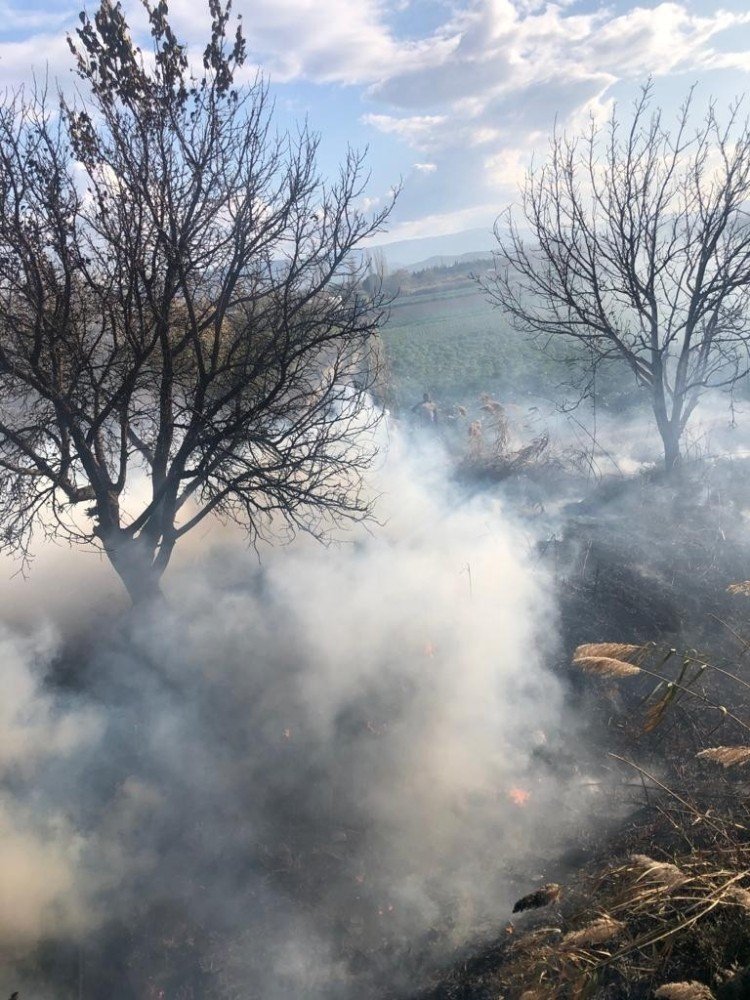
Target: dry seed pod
point(535, 938)
point(616, 650)
point(597, 932)
point(726, 756)
point(605, 666)
point(684, 991)
point(663, 872)
point(549, 893)
point(658, 709)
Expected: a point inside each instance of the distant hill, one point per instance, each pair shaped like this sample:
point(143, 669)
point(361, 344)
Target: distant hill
point(435, 275)
point(445, 260)
point(432, 250)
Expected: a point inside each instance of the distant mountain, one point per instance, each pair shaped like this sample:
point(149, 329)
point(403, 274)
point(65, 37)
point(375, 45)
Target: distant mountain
point(451, 260)
point(436, 251)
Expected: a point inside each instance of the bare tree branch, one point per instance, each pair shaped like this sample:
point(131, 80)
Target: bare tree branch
point(635, 243)
point(180, 305)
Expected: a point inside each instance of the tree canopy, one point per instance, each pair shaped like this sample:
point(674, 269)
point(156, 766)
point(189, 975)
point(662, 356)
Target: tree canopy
point(634, 242)
point(183, 330)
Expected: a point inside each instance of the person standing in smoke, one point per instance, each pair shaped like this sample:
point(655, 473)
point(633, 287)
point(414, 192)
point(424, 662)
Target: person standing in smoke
point(426, 411)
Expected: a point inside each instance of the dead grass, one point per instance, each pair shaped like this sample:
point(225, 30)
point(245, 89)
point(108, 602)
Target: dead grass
point(597, 932)
point(726, 756)
point(670, 923)
point(662, 872)
point(615, 650)
point(684, 991)
point(639, 921)
point(605, 666)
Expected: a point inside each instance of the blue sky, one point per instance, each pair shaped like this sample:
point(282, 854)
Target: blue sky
point(451, 96)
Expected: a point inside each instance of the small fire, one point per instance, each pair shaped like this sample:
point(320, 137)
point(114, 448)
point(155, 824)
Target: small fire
point(519, 796)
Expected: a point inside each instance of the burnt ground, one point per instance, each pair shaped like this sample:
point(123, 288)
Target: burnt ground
point(645, 560)
point(639, 560)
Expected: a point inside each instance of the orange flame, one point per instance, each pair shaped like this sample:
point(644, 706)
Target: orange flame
point(519, 796)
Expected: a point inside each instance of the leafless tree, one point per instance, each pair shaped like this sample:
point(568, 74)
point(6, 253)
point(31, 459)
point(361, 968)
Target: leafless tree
point(183, 331)
point(634, 242)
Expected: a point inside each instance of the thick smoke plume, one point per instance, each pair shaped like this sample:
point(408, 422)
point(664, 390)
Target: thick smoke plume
point(316, 774)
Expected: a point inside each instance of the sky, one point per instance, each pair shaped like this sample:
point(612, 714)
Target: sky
point(452, 98)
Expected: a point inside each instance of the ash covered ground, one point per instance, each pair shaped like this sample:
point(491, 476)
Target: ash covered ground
point(332, 773)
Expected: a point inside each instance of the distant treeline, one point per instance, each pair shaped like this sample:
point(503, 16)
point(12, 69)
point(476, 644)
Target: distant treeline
point(406, 281)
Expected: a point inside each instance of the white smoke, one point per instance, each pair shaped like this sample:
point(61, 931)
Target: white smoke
point(337, 764)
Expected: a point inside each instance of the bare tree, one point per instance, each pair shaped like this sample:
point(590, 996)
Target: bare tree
point(182, 330)
point(635, 243)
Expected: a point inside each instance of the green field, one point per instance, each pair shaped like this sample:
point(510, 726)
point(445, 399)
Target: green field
point(455, 344)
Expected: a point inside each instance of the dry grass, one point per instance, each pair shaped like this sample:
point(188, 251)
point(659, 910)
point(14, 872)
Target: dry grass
point(662, 872)
point(739, 896)
point(676, 925)
point(638, 923)
point(535, 938)
point(684, 991)
point(615, 650)
point(679, 677)
point(605, 666)
point(726, 756)
point(597, 932)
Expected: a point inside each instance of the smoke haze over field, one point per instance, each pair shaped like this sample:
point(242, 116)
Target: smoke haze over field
point(313, 775)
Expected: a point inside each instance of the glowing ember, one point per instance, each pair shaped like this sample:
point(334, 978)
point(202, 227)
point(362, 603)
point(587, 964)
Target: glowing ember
point(519, 796)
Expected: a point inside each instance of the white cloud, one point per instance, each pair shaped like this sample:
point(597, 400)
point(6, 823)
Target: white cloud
point(516, 68)
point(417, 130)
point(38, 55)
point(27, 18)
point(473, 95)
point(443, 223)
point(339, 41)
point(508, 167)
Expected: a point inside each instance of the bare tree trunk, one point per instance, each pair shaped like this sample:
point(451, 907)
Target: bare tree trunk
point(670, 429)
point(593, 257)
point(670, 437)
point(134, 567)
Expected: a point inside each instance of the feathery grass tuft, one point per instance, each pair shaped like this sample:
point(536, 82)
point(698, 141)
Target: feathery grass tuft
point(726, 756)
point(605, 666)
point(615, 650)
point(663, 872)
point(684, 991)
point(597, 932)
